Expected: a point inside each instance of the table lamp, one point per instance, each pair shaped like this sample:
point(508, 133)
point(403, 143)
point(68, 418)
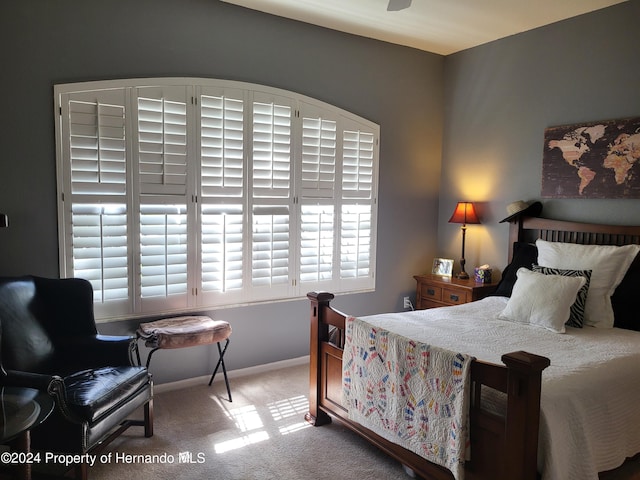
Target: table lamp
point(464, 213)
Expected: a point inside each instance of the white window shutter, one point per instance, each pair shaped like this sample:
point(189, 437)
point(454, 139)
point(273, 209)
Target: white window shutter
point(358, 164)
point(97, 144)
point(99, 240)
point(271, 199)
point(271, 152)
point(222, 247)
point(163, 253)
point(221, 143)
point(317, 243)
point(358, 209)
point(94, 191)
point(355, 241)
point(270, 250)
point(162, 140)
point(319, 152)
point(223, 220)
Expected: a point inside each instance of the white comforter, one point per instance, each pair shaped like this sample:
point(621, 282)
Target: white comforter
point(590, 414)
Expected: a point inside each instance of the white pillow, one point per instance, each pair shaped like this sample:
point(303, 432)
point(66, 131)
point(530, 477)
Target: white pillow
point(608, 265)
point(542, 300)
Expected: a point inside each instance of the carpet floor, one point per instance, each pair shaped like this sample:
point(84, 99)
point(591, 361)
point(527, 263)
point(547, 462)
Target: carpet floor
point(261, 435)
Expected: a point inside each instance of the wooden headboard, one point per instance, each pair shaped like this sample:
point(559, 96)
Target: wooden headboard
point(531, 228)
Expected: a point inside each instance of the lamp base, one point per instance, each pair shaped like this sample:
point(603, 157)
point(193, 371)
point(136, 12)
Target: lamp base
point(462, 276)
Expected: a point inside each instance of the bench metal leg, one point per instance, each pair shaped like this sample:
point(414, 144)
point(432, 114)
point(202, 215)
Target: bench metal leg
point(221, 352)
point(149, 356)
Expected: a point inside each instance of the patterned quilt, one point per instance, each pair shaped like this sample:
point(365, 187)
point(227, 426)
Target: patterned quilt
point(413, 394)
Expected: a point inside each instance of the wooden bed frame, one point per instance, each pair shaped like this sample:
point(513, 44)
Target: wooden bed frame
point(503, 448)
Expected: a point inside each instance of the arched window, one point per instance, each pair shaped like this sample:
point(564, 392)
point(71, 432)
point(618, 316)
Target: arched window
point(188, 193)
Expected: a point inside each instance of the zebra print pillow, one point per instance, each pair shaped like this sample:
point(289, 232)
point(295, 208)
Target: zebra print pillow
point(576, 317)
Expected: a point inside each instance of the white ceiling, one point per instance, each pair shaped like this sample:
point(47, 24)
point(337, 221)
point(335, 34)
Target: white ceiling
point(438, 26)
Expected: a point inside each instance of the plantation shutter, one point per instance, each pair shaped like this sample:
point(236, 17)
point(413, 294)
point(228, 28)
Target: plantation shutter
point(357, 164)
point(161, 168)
point(221, 143)
point(97, 143)
point(183, 193)
point(271, 156)
point(271, 195)
point(270, 246)
point(317, 243)
point(222, 187)
point(162, 140)
point(222, 247)
point(318, 190)
point(96, 170)
point(163, 251)
point(319, 153)
point(355, 241)
point(357, 234)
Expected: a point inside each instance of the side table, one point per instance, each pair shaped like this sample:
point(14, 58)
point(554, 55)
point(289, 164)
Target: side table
point(439, 291)
point(22, 409)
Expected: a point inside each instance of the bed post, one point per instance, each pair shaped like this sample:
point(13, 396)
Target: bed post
point(524, 381)
point(319, 333)
point(515, 234)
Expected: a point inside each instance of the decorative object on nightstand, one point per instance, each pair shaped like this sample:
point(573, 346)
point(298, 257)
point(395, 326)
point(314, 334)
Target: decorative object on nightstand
point(482, 274)
point(464, 213)
point(438, 291)
point(442, 266)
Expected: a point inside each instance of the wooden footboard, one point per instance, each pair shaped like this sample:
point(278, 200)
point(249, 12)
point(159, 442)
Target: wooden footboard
point(503, 447)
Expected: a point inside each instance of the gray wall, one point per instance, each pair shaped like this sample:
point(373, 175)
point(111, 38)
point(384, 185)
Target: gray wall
point(500, 97)
point(44, 43)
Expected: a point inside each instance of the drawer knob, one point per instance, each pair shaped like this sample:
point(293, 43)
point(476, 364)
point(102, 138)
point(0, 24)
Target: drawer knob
point(454, 298)
point(431, 291)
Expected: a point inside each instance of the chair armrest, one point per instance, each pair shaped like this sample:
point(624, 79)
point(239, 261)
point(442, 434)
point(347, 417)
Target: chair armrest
point(39, 381)
point(96, 351)
point(52, 384)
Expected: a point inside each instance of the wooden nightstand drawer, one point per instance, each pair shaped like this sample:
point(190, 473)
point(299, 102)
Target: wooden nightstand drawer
point(436, 291)
point(454, 296)
point(424, 304)
point(431, 292)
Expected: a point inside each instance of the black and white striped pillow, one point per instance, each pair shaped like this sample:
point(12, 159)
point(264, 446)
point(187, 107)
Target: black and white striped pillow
point(576, 317)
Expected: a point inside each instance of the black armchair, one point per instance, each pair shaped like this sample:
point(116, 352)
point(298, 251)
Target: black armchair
point(49, 341)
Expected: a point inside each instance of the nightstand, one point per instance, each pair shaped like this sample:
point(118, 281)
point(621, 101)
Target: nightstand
point(437, 291)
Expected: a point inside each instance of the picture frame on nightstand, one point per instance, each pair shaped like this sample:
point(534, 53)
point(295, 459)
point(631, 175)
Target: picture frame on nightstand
point(442, 267)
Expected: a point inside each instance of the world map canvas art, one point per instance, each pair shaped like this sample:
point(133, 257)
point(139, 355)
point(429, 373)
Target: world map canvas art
point(595, 160)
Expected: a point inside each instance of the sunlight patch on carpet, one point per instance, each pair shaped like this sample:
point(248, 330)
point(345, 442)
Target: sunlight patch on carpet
point(295, 427)
point(249, 423)
point(246, 418)
point(289, 407)
point(245, 440)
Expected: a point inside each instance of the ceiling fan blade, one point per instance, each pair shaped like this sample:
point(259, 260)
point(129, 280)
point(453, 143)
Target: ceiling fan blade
point(396, 5)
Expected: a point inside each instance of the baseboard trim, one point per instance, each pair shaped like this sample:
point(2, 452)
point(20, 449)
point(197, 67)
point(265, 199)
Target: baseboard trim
point(241, 372)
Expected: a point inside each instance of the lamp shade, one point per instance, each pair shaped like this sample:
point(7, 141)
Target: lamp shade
point(464, 213)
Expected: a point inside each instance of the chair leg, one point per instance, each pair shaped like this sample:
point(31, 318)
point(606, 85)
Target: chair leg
point(221, 352)
point(148, 419)
point(81, 471)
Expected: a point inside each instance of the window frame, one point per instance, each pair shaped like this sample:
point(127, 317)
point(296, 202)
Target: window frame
point(194, 201)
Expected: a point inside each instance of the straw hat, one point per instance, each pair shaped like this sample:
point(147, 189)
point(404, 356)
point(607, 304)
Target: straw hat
point(529, 209)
